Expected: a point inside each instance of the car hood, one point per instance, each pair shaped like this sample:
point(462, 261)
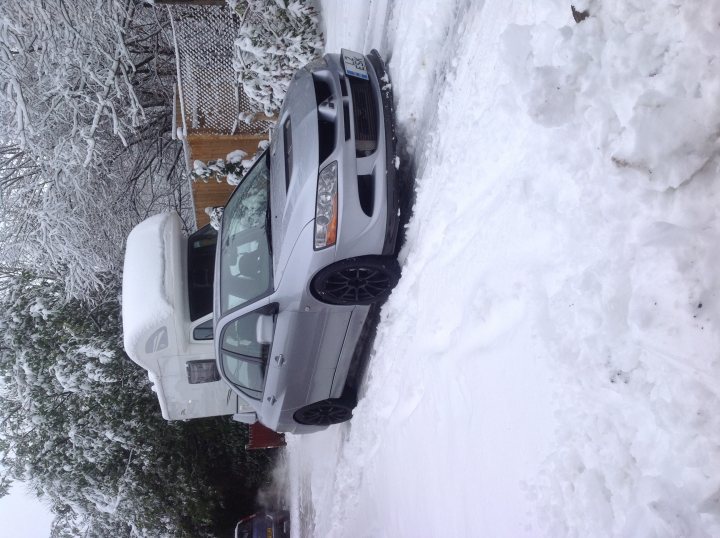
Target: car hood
point(294, 180)
point(153, 290)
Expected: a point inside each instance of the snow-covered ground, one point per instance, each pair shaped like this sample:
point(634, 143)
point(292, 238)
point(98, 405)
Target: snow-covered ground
point(548, 364)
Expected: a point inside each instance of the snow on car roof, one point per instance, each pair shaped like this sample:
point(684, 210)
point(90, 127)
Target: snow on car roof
point(146, 302)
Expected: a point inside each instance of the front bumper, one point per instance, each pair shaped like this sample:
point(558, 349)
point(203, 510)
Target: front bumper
point(367, 183)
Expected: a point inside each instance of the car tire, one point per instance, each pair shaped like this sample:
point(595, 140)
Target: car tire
point(324, 412)
point(356, 281)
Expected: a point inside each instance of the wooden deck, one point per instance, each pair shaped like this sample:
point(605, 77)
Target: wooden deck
point(209, 147)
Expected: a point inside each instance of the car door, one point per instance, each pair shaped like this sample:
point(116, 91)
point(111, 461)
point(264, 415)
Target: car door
point(304, 356)
point(281, 359)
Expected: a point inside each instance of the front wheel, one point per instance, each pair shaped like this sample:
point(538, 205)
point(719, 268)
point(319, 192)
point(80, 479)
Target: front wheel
point(356, 281)
point(324, 413)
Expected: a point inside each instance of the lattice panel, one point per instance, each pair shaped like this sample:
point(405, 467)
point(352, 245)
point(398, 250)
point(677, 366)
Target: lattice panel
point(212, 99)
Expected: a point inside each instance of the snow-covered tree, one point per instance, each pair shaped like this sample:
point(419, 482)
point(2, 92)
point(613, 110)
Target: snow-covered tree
point(85, 121)
point(79, 423)
point(277, 37)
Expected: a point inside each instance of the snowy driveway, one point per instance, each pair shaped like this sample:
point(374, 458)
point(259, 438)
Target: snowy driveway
point(548, 364)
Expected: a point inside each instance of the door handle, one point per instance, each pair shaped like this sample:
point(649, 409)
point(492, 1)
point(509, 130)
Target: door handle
point(279, 360)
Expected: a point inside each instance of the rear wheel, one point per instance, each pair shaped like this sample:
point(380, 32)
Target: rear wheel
point(324, 413)
point(356, 281)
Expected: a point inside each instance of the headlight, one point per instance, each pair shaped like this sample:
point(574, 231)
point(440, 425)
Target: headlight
point(326, 209)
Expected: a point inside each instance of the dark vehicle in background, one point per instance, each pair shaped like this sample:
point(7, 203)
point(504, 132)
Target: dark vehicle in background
point(272, 524)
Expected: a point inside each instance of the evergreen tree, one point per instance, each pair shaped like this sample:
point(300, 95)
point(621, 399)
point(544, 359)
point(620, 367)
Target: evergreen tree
point(80, 424)
point(277, 37)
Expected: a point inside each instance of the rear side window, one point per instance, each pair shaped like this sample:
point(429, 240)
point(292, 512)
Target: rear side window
point(201, 271)
point(240, 337)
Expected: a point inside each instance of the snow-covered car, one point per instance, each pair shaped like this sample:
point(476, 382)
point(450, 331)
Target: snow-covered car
point(307, 245)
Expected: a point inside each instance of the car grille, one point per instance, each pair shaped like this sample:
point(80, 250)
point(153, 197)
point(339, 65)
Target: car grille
point(365, 116)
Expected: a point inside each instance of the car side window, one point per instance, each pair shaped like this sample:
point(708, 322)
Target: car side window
point(239, 336)
point(243, 358)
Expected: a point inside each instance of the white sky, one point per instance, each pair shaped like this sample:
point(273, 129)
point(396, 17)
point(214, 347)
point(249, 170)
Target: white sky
point(23, 515)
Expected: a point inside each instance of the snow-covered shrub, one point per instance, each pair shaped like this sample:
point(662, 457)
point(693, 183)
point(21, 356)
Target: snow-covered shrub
point(233, 167)
point(277, 37)
point(215, 214)
point(232, 171)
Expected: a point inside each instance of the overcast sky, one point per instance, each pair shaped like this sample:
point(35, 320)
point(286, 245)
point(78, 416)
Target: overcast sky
point(23, 515)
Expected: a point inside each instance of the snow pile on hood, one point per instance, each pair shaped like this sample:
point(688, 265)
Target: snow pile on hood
point(146, 299)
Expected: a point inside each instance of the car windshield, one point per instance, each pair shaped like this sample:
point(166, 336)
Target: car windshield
point(245, 264)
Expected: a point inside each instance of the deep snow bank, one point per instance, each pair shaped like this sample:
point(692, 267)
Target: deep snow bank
point(630, 98)
point(641, 79)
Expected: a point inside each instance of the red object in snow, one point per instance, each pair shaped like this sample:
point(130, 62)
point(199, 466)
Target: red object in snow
point(262, 437)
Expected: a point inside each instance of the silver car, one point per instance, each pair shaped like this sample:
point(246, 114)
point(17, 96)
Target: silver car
point(307, 245)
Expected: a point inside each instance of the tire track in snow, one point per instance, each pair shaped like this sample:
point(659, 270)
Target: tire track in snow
point(435, 74)
point(420, 375)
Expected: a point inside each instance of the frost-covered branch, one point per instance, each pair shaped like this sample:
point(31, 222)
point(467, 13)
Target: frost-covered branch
point(83, 133)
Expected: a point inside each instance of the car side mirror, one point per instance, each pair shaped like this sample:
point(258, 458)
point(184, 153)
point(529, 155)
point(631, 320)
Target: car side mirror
point(264, 329)
point(248, 417)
